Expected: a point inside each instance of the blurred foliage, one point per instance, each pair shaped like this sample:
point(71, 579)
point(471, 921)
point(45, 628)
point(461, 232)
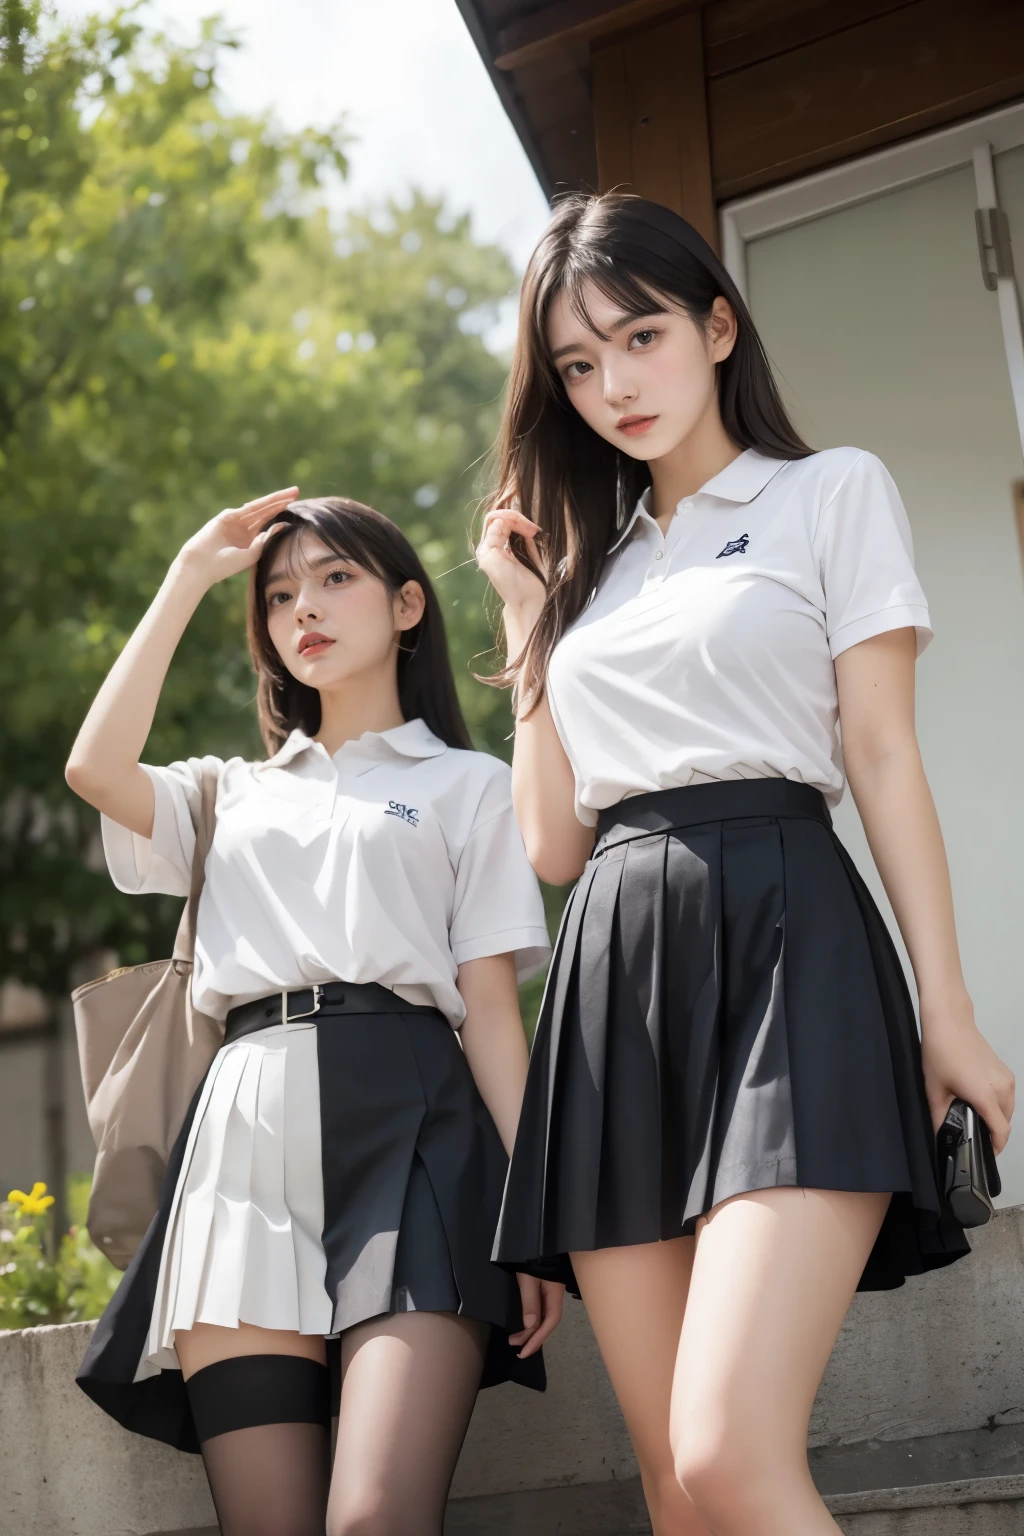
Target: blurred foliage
point(71, 1287)
point(182, 329)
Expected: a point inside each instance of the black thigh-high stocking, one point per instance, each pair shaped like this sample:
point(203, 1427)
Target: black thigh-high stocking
point(264, 1431)
point(409, 1383)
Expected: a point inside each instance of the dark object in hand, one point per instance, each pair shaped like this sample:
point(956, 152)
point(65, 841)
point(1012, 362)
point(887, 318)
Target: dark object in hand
point(967, 1165)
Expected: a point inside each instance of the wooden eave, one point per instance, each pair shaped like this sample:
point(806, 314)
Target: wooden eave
point(609, 92)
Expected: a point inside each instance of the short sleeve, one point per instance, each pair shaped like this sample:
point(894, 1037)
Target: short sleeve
point(584, 814)
point(162, 863)
point(867, 559)
point(498, 908)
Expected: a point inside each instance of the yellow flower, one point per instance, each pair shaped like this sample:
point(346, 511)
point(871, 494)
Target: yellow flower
point(33, 1204)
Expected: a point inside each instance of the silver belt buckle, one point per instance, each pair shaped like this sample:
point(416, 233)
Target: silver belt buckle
point(298, 1020)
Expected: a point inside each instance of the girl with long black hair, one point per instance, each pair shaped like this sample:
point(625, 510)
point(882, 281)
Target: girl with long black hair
point(367, 906)
point(729, 1119)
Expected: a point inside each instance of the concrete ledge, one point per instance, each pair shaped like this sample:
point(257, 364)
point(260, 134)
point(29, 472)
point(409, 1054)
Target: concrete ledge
point(941, 1356)
point(978, 1490)
point(67, 1467)
point(964, 1520)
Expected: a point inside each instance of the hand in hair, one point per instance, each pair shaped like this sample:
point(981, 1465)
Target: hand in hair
point(234, 539)
point(509, 558)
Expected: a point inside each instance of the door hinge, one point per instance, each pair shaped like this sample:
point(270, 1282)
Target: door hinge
point(994, 246)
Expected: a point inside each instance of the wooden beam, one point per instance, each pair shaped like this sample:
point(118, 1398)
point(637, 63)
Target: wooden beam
point(611, 119)
point(742, 32)
point(915, 68)
point(576, 21)
point(651, 121)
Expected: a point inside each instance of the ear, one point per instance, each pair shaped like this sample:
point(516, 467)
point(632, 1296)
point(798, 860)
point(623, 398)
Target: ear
point(722, 329)
point(409, 606)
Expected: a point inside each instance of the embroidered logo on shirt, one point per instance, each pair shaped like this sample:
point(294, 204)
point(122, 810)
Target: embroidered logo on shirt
point(735, 547)
point(408, 813)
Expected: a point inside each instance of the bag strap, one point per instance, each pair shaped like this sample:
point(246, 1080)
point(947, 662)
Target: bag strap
point(185, 940)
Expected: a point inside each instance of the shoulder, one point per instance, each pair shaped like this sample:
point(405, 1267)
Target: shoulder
point(824, 475)
point(190, 772)
point(475, 787)
point(232, 769)
point(238, 777)
point(844, 488)
point(478, 770)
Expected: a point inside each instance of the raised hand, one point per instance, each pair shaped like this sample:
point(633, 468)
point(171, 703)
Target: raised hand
point(234, 539)
point(518, 587)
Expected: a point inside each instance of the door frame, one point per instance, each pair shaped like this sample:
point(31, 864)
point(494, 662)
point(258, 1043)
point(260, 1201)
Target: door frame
point(972, 142)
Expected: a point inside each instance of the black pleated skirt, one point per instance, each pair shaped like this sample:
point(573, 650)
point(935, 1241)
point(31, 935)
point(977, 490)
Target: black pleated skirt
point(725, 1012)
point(413, 1170)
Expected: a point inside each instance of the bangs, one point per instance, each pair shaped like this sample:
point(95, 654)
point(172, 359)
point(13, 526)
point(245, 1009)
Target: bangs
point(623, 289)
point(285, 557)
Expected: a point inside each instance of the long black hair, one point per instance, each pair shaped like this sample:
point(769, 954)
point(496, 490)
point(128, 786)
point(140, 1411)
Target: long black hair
point(426, 686)
point(566, 477)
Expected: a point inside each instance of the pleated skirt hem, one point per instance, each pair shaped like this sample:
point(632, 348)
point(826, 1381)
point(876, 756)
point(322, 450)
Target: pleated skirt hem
point(243, 1242)
point(324, 1176)
point(725, 1012)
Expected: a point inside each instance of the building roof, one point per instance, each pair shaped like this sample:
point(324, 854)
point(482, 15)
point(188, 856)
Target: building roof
point(760, 91)
point(538, 55)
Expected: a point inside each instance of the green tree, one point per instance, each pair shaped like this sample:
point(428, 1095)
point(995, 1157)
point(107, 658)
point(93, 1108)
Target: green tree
point(180, 329)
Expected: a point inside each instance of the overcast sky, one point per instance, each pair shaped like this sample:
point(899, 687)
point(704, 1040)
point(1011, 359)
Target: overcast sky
point(410, 80)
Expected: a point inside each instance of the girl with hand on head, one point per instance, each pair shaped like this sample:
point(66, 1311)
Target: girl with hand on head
point(368, 903)
point(729, 1119)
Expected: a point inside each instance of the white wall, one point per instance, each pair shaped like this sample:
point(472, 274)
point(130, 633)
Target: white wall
point(885, 337)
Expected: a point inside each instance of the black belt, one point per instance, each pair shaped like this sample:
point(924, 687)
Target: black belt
point(670, 810)
point(304, 1005)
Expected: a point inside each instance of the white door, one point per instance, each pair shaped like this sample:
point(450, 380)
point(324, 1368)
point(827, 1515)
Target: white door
point(884, 336)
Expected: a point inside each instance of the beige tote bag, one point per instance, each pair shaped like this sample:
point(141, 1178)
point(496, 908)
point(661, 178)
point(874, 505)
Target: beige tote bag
point(143, 1050)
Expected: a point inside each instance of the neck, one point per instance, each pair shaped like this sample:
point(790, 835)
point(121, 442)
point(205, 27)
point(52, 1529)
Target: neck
point(366, 703)
point(701, 455)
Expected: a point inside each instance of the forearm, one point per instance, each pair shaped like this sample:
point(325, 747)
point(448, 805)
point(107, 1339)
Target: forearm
point(493, 1039)
point(543, 784)
point(498, 1056)
point(103, 766)
point(902, 827)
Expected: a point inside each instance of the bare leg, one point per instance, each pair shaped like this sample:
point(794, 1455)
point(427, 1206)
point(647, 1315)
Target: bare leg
point(635, 1298)
point(409, 1383)
point(205, 1344)
point(261, 1405)
point(774, 1274)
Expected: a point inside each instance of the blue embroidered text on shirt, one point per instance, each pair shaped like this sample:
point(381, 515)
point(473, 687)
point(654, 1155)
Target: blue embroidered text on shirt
point(408, 813)
point(735, 547)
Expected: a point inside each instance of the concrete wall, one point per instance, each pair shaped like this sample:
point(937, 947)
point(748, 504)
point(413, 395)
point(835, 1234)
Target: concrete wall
point(944, 1353)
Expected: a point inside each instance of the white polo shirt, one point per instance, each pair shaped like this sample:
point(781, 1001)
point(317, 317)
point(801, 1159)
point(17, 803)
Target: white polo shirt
point(394, 861)
point(707, 653)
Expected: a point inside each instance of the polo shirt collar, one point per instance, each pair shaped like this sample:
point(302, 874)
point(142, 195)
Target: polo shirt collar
point(743, 479)
point(642, 507)
point(739, 482)
point(413, 738)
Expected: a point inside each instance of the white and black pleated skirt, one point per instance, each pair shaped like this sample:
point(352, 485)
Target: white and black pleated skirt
point(725, 1012)
point(330, 1170)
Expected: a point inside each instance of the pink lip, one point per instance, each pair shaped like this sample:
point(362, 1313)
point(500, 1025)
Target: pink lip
point(314, 645)
point(636, 426)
